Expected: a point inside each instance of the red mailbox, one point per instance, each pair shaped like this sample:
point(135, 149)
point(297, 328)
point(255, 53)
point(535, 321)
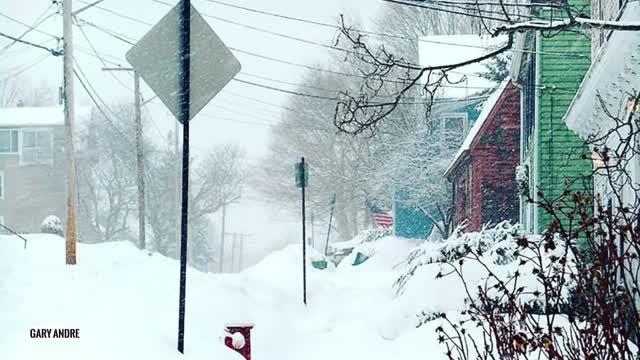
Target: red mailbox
point(239, 338)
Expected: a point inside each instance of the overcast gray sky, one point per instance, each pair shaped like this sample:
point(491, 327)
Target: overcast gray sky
point(228, 118)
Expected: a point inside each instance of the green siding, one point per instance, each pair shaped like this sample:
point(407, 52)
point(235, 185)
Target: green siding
point(564, 59)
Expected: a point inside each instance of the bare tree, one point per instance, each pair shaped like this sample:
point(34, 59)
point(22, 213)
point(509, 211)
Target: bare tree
point(218, 180)
point(106, 175)
point(18, 91)
point(361, 111)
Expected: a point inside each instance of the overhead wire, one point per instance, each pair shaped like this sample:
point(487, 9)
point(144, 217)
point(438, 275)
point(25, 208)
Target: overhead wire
point(307, 67)
point(49, 50)
point(26, 67)
point(121, 37)
point(29, 26)
point(104, 63)
point(38, 22)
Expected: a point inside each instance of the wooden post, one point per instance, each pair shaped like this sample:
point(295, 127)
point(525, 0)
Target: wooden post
point(71, 234)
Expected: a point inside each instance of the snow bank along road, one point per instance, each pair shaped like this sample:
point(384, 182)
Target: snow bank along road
point(124, 304)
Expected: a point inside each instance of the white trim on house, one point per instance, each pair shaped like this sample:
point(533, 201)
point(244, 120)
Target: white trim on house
point(534, 169)
point(2, 188)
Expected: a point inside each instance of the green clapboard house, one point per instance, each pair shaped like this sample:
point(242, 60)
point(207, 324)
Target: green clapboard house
point(549, 67)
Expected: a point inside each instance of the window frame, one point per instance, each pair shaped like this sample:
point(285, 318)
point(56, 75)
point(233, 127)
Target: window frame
point(37, 160)
point(455, 115)
point(11, 138)
point(444, 133)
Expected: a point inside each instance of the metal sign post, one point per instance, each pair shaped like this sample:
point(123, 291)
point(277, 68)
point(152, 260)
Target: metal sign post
point(182, 43)
point(302, 179)
point(183, 92)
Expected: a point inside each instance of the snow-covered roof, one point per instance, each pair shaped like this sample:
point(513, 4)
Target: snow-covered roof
point(614, 74)
point(32, 116)
point(437, 50)
point(39, 116)
point(487, 107)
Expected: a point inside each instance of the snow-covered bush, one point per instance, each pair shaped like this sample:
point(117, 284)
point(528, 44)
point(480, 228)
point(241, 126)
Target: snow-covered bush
point(522, 180)
point(52, 225)
point(498, 242)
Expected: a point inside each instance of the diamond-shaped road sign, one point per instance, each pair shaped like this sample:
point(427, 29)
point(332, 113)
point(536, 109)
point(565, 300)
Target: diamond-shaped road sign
point(156, 57)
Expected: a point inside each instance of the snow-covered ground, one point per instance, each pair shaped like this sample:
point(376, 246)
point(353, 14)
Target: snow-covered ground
point(125, 304)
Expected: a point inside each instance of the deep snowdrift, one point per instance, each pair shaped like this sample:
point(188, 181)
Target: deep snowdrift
point(124, 302)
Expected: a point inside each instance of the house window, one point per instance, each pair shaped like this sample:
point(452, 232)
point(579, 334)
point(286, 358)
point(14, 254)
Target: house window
point(8, 141)
point(454, 126)
point(36, 147)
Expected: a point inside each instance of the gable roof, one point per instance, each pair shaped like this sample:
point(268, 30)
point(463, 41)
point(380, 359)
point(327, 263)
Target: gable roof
point(487, 109)
point(434, 50)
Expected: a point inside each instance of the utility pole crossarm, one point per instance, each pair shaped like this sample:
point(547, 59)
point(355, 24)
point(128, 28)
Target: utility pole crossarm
point(117, 69)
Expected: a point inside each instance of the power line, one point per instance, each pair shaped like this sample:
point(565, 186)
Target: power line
point(86, 85)
point(22, 50)
point(419, 5)
point(287, 91)
point(27, 67)
point(84, 34)
point(305, 94)
point(324, 24)
point(117, 14)
point(29, 26)
point(39, 20)
point(52, 51)
point(121, 83)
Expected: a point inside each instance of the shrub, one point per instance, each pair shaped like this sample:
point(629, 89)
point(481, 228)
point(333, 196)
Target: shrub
point(52, 225)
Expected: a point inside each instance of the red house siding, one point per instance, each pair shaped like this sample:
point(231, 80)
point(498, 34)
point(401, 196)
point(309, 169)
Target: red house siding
point(489, 165)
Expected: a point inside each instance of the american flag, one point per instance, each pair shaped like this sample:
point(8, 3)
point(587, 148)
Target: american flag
point(382, 218)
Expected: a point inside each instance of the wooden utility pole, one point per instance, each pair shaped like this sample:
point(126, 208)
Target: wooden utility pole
point(240, 251)
point(140, 161)
point(224, 211)
point(67, 33)
point(234, 244)
point(139, 155)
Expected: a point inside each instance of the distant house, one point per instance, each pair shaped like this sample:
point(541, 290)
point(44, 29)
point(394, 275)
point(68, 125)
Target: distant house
point(453, 118)
point(483, 170)
point(455, 110)
point(32, 181)
point(549, 70)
